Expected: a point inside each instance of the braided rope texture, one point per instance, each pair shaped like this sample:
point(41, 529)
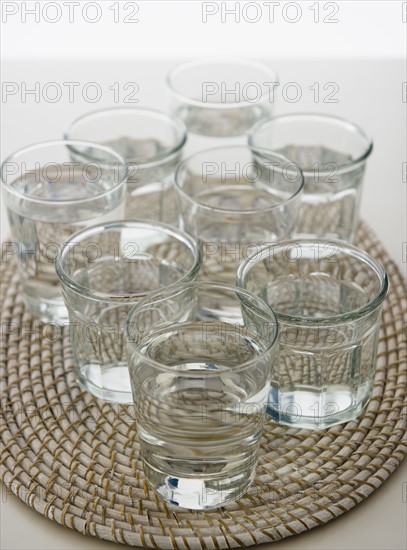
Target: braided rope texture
point(76, 459)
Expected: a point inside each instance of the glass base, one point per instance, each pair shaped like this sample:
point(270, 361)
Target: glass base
point(47, 311)
point(107, 382)
point(197, 493)
point(311, 408)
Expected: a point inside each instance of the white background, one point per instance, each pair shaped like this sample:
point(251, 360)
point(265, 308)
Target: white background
point(170, 29)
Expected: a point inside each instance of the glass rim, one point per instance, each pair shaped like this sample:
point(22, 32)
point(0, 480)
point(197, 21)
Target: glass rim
point(58, 143)
point(175, 71)
point(161, 158)
point(339, 246)
point(81, 235)
point(338, 121)
point(181, 287)
point(271, 154)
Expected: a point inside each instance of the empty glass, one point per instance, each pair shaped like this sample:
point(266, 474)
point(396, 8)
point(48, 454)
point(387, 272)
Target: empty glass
point(104, 271)
point(233, 202)
point(222, 97)
point(200, 382)
point(151, 142)
point(332, 154)
point(49, 197)
point(327, 297)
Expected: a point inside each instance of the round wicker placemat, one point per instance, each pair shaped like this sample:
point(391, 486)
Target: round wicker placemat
point(76, 459)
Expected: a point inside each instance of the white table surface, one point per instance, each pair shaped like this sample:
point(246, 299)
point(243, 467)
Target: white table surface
point(369, 95)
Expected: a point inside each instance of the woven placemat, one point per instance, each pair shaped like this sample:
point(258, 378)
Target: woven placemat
point(76, 459)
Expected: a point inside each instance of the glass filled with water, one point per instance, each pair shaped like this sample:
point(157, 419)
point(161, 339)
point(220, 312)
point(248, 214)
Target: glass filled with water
point(222, 98)
point(104, 271)
point(233, 201)
point(327, 296)
point(151, 142)
point(48, 197)
point(332, 154)
point(200, 379)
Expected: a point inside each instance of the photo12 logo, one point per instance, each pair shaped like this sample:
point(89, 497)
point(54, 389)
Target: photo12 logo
point(70, 12)
point(69, 92)
point(254, 92)
point(270, 12)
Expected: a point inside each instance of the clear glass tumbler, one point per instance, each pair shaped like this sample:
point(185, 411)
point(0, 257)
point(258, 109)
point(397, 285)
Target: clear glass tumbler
point(332, 154)
point(327, 296)
point(200, 383)
point(222, 97)
point(48, 197)
point(104, 271)
point(151, 142)
point(233, 202)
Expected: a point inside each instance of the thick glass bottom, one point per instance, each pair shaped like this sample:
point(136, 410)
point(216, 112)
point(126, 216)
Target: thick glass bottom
point(48, 311)
point(108, 382)
point(198, 493)
point(315, 408)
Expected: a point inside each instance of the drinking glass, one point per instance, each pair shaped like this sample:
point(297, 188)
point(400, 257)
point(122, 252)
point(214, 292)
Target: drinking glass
point(327, 296)
point(104, 271)
point(200, 382)
point(151, 142)
point(234, 201)
point(332, 154)
point(222, 98)
point(49, 197)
